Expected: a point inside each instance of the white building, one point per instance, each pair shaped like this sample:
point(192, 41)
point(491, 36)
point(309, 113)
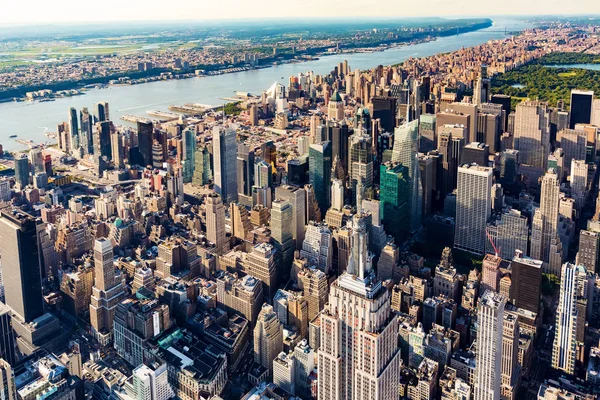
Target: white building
point(473, 207)
point(284, 374)
point(225, 162)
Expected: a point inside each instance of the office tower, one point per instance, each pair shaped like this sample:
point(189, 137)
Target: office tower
point(581, 107)
point(86, 124)
point(360, 162)
point(449, 162)
point(526, 282)
point(509, 232)
point(570, 317)
point(384, 109)
point(215, 223)
point(589, 250)
point(320, 163)
point(7, 337)
point(36, 159)
point(337, 194)
point(339, 134)
point(304, 363)
point(490, 319)
point(473, 207)
point(579, 181)
point(73, 130)
point(544, 228)
point(107, 292)
point(261, 264)
point(284, 372)
point(189, 154)
point(317, 246)
point(101, 112)
point(303, 145)
point(5, 192)
point(262, 174)
point(509, 166)
point(202, 170)
point(145, 134)
point(20, 264)
point(136, 322)
point(596, 112)
point(510, 372)
point(488, 131)
point(7, 381)
point(297, 198)
point(102, 137)
point(490, 274)
point(253, 114)
point(225, 158)
point(149, 381)
point(505, 102)
point(358, 358)
point(239, 295)
point(116, 142)
point(532, 133)
point(470, 110)
point(394, 201)
point(476, 153)
point(406, 147)
point(281, 233)
point(268, 337)
point(268, 152)
point(427, 133)
point(21, 172)
point(573, 142)
point(245, 170)
point(335, 107)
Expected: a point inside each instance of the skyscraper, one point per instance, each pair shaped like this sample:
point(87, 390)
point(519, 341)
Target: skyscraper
point(225, 158)
point(245, 170)
point(21, 171)
point(268, 337)
point(20, 264)
point(490, 320)
point(145, 132)
point(360, 162)
point(73, 130)
point(406, 147)
point(102, 139)
point(297, 198)
point(544, 228)
point(526, 282)
point(107, 292)
point(320, 172)
point(532, 133)
point(281, 232)
point(86, 124)
point(335, 108)
point(358, 358)
point(473, 207)
point(7, 337)
point(101, 112)
point(581, 107)
point(570, 317)
point(393, 195)
point(215, 223)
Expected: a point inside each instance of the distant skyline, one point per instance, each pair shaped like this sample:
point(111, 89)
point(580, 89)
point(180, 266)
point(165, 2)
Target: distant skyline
point(44, 11)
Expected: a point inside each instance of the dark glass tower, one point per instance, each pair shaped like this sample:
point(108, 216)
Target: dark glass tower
point(320, 172)
point(581, 107)
point(145, 140)
point(20, 264)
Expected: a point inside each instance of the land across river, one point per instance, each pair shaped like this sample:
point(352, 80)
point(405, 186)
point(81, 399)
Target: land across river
point(32, 120)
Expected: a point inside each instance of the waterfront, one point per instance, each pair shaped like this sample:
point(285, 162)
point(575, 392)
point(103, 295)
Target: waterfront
point(32, 120)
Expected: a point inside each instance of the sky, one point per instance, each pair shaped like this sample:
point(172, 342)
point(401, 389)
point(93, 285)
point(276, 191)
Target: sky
point(53, 11)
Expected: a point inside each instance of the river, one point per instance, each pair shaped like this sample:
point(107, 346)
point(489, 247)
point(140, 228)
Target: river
point(30, 120)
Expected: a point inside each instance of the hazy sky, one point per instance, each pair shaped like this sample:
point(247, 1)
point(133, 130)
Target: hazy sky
point(34, 11)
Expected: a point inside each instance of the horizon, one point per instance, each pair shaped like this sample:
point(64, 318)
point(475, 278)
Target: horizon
point(70, 11)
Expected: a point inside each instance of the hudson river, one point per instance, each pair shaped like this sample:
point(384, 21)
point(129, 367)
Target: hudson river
point(30, 120)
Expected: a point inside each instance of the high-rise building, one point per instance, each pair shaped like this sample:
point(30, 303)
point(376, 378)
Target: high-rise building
point(107, 292)
point(544, 229)
point(102, 139)
point(526, 282)
point(215, 223)
point(7, 337)
point(73, 130)
point(304, 363)
point(86, 124)
point(261, 264)
point(21, 264)
point(281, 231)
point(21, 172)
point(225, 160)
point(360, 163)
point(473, 207)
point(317, 246)
point(394, 201)
point(510, 373)
point(490, 274)
point(149, 381)
point(384, 109)
point(101, 112)
point(490, 320)
point(532, 133)
point(297, 198)
point(243, 296)
point(245, 170)
point(589, 250)
point(509, 232)
point(335, 107)
point(358, 358)
point(570, 317)
point(8, 390)
point(573, 142)
point(581, 107)
point(405, 152)
point(476, 153)
point(268, 337)
point(320, 163)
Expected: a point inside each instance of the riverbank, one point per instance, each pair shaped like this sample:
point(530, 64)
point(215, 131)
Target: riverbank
point(155, 74)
